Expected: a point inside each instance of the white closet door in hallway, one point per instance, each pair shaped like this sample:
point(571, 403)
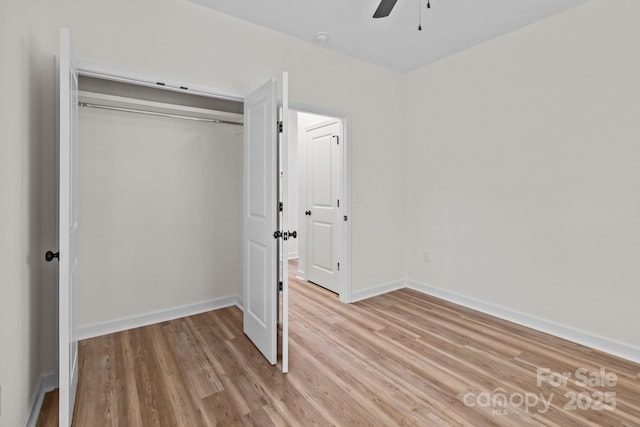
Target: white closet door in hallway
point(323, 197)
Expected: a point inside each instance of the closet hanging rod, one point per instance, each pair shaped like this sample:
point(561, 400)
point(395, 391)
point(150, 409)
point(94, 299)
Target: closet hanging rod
point(157, 113)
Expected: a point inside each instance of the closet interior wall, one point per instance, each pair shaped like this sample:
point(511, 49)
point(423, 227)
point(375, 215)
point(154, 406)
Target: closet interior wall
point(160, 203)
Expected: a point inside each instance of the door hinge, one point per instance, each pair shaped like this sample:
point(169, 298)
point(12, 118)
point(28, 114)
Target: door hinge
point(345, 217)
point(280, 126)
point(280, 206)
point(280, 286)
point(337, 139)
point(338, 266)
point(338, 202)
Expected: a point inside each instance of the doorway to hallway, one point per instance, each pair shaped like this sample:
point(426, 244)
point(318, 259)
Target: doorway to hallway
point(317, 199)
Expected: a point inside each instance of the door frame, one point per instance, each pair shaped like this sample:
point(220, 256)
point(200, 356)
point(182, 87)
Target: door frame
point(345, 284)
point(89, 69)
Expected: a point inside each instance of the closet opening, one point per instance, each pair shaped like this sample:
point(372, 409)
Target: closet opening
point(160, 201)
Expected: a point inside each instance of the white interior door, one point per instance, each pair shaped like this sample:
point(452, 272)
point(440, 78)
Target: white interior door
point(284, 167)
point(323, 196)
point(67, 111)
point(260, 278)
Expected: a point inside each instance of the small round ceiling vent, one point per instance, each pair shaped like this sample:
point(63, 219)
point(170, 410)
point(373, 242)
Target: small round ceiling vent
point(321, 38)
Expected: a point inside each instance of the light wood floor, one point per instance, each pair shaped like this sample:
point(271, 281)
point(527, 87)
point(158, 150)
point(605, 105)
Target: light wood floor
point(398, 359)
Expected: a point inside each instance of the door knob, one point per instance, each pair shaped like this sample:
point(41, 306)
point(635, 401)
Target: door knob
point(308, 213)
point(49, 256)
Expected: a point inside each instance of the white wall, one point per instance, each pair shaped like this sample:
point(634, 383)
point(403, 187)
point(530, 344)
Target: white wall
point(182, 40)
point(21, 251)
point(523, 174)
point(516, 160)
point(160, 202)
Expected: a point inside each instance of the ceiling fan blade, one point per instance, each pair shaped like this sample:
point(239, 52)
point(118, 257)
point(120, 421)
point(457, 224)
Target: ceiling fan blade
point(385, 8)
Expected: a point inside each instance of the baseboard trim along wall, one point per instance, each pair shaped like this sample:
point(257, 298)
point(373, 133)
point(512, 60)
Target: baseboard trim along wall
point(607, 345)
point(613, 347)
point(149, 318)
point(623, 350)
point(46, 383)
point(377, 290)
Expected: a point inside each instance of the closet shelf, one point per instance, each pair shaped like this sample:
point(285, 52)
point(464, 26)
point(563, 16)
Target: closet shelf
point(153, 107)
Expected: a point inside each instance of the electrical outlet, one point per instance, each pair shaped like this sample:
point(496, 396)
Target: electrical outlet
point(425, 256)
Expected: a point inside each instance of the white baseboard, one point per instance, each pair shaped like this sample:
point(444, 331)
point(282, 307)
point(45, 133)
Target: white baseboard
point(623, 350)
point(46, 383)
point(149, 318)
point(293, 255)
point(377, 290)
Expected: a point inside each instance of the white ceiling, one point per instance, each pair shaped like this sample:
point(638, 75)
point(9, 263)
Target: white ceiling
point(449, 26)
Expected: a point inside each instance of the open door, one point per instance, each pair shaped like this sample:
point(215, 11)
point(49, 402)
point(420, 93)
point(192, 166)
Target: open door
point(261, 222)
point(323, 195)
point(260, 274)
point(284, 167)
point(67, 112)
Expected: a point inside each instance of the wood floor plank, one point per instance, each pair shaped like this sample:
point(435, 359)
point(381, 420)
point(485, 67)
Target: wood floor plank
point(403, 358)
point(182, 401)
point(199, 374)
point(152, 391)
point(49, 414)
point(129, 401)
